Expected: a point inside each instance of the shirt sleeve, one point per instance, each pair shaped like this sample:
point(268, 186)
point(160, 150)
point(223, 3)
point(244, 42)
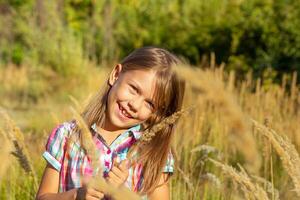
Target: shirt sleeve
point(169, 167)
point(56, 145)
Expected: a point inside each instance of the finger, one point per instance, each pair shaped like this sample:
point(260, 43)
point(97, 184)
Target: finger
point(115, 161)
point(114, 177)
point(93, 198)
point(124, 165)
point(85, 180)
point(94, 193)
point(123, 175)
point(117, 171)
point(112, 182)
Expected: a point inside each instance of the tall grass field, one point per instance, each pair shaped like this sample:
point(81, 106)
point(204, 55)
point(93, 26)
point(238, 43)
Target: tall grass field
point(238, 139)
point(238, 135)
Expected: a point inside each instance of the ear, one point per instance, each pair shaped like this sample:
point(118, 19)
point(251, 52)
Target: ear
point(114, 75)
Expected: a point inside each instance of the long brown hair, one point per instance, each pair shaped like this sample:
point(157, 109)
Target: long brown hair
point(169, 94)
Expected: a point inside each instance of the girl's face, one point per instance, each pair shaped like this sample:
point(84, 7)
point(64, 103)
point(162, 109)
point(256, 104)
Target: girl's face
point(130, 99)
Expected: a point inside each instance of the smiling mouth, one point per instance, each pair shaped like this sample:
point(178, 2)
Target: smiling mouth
point(124, 112)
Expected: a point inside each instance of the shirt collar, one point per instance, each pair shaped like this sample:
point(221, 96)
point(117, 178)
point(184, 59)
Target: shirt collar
point(135, 130)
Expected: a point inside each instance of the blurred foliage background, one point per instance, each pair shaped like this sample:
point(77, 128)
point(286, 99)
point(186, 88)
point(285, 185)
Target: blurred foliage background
point(62, 34)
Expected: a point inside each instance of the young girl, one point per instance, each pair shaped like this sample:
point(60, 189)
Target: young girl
point(141, 91)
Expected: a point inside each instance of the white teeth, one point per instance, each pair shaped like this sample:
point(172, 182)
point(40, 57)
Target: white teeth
point(125, 113)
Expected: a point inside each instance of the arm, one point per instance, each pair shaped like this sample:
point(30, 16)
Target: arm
point(54, 154)
point(49, 186)
point(162, 191)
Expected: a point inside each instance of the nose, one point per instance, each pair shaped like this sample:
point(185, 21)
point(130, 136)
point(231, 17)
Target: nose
point(135, 104)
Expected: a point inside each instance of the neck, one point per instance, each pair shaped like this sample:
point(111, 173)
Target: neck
point(109, 129)
point(110, 132)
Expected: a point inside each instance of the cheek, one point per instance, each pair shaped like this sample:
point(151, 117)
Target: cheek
point(118, 94)
point(144, 114)
point(123, 94)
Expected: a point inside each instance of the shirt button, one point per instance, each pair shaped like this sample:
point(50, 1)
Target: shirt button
point(108, 151)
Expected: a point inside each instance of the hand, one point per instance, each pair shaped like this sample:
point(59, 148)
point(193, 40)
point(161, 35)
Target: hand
point(88, 193)
point(119, 173)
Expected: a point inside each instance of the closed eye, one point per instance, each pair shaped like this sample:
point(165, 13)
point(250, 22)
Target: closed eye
point(151, 105)
point(133, 88)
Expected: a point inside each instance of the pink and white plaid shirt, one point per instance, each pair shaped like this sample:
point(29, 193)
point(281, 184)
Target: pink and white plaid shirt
point(74, 164)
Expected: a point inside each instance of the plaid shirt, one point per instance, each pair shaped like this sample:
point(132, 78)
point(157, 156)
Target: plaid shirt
point(73, 163)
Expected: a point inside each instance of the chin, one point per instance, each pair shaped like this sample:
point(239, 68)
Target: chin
point(119, 124)
point(126, 125)
point(117, 121)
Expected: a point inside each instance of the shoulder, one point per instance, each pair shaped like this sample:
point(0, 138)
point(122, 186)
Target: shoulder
point(68, 126)
point(62, 130)
point(56, 143)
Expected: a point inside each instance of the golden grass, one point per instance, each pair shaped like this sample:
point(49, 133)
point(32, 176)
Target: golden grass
point(209, 87)
point(148, 134)
point(251, 190)
point(87, 142)
point(5, 149)
point(286, 151)
point(219, 127)
point(119, 193)
point(16, 137)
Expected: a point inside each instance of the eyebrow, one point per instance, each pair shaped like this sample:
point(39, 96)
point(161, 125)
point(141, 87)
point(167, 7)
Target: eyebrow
point(140, 90)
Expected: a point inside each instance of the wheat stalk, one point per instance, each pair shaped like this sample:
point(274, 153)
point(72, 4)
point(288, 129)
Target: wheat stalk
point(5, 149)
point(269, 186)
point(251, 190)
point(186, 178)
point(148, 134)
point(287, 152)
point(16, 137)
point(212, 178)
point(209, 86)
point(117, 193)
point(87, 141)
point(78, 106)
point(22, 158)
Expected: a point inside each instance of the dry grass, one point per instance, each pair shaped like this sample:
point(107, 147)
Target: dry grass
point(87, 142)
point(16, 137)
point(209, 87)
point(222, 119)
point(148, 134)
point(5, 149)
point(251, 190)
point(286, 151)
point(217, 128)
point(116, 193)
